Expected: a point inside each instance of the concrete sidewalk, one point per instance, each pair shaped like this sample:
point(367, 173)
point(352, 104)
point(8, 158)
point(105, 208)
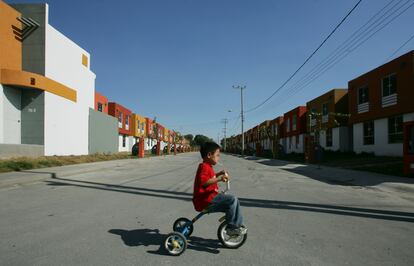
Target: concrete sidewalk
point(25, 177)
point(341, 176)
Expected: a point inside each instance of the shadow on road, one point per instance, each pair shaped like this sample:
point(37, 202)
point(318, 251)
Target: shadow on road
point(153, 237)
point(330, 175)
point(245, 202)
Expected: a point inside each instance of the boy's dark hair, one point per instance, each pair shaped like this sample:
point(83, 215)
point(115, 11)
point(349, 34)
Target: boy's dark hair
point(208, 147)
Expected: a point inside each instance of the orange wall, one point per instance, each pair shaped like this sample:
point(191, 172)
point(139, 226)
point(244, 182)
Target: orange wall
point(135, 118)
point(403, 67)
point(337, 100)
point(99, 98)
point(32, 80)
point(10, 47)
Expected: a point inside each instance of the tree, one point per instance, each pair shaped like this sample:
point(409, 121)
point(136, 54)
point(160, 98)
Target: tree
point(189, 137)
point(201, 139)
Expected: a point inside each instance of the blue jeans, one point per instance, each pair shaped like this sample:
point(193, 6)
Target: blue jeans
point(230, 205)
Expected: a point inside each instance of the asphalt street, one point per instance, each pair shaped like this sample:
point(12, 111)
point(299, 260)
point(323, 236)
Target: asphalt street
point(119, 212)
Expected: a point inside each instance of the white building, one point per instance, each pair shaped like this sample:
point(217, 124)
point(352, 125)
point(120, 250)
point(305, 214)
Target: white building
point(380, 102)
point(46, 85)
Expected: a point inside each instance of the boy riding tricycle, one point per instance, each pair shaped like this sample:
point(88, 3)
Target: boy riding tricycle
point(207, 199)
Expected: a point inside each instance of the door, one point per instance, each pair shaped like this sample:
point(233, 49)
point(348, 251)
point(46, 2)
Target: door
point(12, 115)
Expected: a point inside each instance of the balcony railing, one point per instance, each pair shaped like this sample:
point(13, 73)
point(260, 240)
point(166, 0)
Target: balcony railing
point(389, 100)
point(363, 108)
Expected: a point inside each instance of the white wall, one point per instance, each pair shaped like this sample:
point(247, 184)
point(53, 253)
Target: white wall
point(292, 148)
point(129, 141)
point(408, 117)
point(1, 115)
point(11, 115)
point(381, 145)
point(335, 139)
point(149, 143)
point(66, 122)
point(266, 144)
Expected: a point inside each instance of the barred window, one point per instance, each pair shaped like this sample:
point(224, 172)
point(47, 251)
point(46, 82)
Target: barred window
point(389, 85)
point(329, 137)
point(369, 133)
point(395, 129)
point(325, 109)
point(363, 95)
point(294, 122)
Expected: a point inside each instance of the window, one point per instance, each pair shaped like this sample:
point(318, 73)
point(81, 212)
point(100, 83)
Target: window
point(120, 117)
point(142, 126)
point(363, 95)
point(369, 133)
point(325, 112)
point(100, 107)
point(395, 129)
point(389, 85)
point(288, 125)
point(312, 117)
point(325, 109)
point(85, 60)
point(411, 141)
point(138, 125)
point(329, 137)
point(127, 120)
point(294, 122)
point(313, 112)
point(297, 141)
point(123, 141)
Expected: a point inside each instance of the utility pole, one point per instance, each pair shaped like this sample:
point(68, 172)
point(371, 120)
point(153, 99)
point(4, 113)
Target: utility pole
point(241, 88)
point(225, 121)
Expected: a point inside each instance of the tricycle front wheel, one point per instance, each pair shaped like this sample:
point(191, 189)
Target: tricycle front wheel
point(180, 223)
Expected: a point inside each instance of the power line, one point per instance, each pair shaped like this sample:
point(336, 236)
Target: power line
point(399, 48)
point(236, 124)
point(355, 36)
point(307, 60)
point(344, 50)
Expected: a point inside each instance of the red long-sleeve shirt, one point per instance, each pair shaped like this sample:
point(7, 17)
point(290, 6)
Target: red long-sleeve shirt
point(202, 196)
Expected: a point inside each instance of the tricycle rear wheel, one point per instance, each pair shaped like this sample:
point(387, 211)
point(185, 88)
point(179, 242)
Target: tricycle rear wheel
point(229, 241)
point(175, 243)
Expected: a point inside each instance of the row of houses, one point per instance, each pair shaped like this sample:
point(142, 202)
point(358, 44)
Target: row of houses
point(133, 128)
point(374, 115)
point(48, 102)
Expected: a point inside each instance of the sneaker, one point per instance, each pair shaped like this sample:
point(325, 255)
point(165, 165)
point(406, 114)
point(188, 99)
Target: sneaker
point(242, 230)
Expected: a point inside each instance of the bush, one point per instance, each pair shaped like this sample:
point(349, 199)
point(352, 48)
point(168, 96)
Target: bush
point(267, 154)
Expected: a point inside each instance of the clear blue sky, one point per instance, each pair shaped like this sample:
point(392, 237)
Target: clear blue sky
point(177, 60)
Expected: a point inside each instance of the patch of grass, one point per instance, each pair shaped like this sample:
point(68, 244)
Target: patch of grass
point(27, 163)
